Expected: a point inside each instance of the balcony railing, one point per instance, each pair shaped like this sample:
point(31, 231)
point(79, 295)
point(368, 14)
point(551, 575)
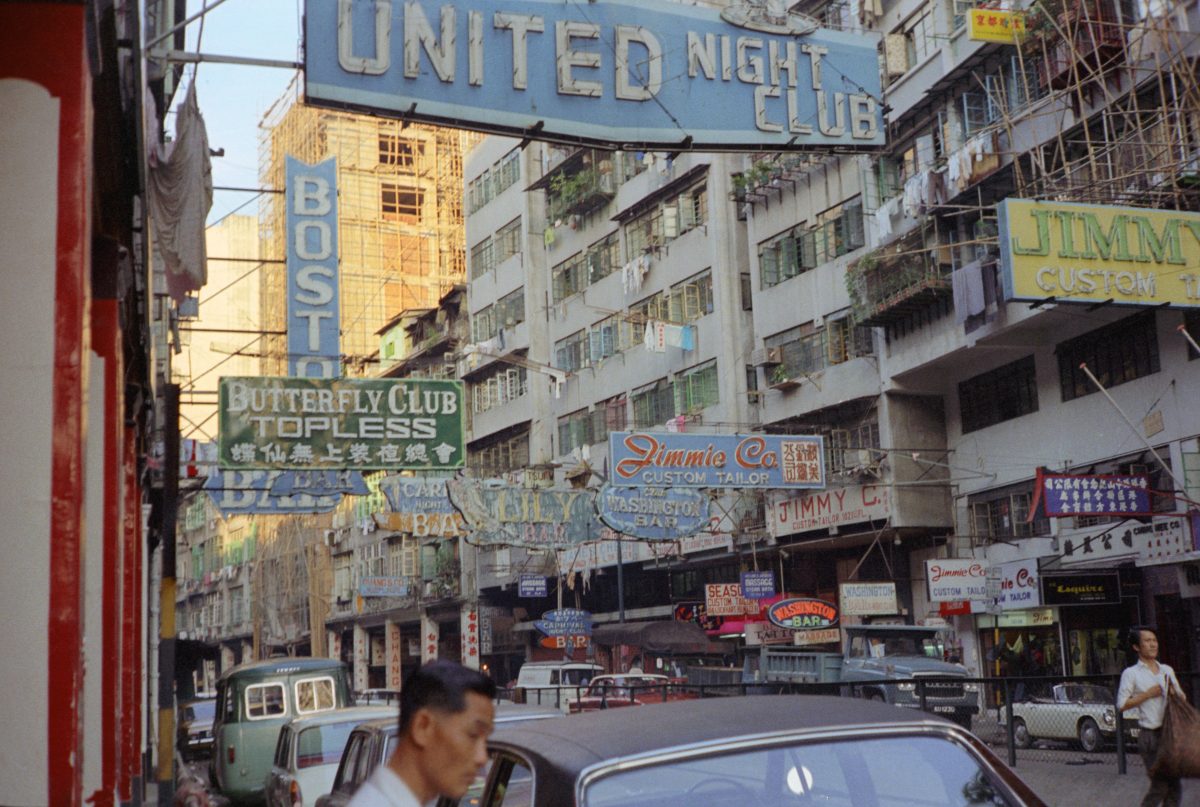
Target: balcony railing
point(883, 292)
point(578, 194)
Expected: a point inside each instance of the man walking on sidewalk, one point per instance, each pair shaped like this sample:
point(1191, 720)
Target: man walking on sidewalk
point(1144, 688)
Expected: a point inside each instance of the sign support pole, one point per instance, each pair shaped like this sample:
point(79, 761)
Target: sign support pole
point(1178, 485)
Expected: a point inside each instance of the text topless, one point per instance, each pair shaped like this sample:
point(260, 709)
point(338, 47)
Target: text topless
point(340, 423)
point(644, 73)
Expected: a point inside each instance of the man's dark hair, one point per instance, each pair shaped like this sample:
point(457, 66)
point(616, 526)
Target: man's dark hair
point(441, 686)
point(1135, 634)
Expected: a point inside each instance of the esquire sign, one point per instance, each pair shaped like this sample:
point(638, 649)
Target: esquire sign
point(621, 74)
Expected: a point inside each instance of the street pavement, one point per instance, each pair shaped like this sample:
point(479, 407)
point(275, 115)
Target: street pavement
point(1092, 783)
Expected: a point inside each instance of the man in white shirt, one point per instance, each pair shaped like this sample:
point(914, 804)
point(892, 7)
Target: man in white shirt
point(1144, 689)
point(446, 716)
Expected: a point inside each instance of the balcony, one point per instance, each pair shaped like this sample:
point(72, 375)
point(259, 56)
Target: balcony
point(1085, 40)
point(580, 184)
point(886, 290)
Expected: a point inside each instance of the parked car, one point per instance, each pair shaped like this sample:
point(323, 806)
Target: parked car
point(615, 691)
point(308, 752)
point(253, 701)
point(553, 683)
point(371, 743)
point(1080, 713)
point(194, 736)
point(739, 751)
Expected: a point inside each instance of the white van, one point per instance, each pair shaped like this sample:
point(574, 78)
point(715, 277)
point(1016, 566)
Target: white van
point(553, 683)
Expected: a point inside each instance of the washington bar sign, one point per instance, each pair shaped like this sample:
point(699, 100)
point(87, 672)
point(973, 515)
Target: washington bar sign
point(643, 74)
point(323, 424)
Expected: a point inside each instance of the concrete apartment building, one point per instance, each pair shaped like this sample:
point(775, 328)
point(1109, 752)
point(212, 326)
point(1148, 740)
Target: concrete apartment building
point(859, 297)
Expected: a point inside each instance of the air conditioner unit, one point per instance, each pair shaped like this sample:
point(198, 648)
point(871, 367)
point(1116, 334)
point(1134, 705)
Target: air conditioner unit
point(895, 55)
point(767, 357)
point(331, 538)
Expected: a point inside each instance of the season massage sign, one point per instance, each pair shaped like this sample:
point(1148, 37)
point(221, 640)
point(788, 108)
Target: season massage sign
point(1094, 254)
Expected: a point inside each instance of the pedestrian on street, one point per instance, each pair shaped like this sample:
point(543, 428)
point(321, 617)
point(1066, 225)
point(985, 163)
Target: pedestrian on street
point(446, 716)
point(1144, 689)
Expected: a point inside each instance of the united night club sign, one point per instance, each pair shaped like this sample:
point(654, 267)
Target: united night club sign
point(643, 74)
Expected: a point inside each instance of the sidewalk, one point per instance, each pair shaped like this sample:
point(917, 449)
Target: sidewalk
point(1095, 785)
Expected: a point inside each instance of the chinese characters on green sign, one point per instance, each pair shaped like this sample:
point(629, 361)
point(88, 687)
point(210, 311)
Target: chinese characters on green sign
point(325, 423)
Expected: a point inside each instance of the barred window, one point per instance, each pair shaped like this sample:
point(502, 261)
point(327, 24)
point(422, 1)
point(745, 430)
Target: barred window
point(569, 277)
point(998, 395)
point(483, 258)
point(602, 339)
point(508, 240)
point(494, 181)
point(501, 386)
point(510, 309)
point(1004, 514)
point(1116, 353)
point(603, 257)
point(691, 299)
point(837, 231)
point(610, 417)
point(500, 456)
point(402, 204)
point(572, 353)
point(574, 430)
point(696, 389)
point(653, 404)
point(667, 220)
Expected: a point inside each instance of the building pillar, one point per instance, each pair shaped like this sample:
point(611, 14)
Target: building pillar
point(359, 674)
point(333, 641)
point(429, 639)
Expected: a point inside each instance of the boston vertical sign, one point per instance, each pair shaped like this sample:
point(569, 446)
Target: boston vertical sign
point(312, 270)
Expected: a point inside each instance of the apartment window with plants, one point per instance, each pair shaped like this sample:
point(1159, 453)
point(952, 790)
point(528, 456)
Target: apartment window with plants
point(696, 388)
point(998, 395)
point(691, 299)
point(1004, 513)
point(807, 349)
point(572, 353)
point(574, 430)
point(1120, 352)
point(653, 404)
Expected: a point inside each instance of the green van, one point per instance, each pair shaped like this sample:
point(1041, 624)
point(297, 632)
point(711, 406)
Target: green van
point(253, 701)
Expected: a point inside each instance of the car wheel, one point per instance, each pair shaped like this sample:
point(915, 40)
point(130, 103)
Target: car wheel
point(1021, 736)
point(876, 696)
point(1090, 738)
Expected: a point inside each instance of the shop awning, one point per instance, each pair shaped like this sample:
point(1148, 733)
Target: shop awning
point(662, 637)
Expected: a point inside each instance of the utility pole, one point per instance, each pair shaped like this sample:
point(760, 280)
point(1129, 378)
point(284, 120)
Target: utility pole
point(166, 634)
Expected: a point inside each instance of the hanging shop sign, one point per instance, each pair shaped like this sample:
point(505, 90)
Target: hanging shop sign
point(653, 514)
point(565, 622)
point(319, 483)
point(382, 587)
point(1093, 588)
point(249, 493)
point(760, 633)
point(803, 613)
point(604, 553)
point(804, 638)
point(1111, 543)
point(1099, 254)
point(420, 506)
point(468, 626)
point(726, 599)
point(868, 599)
point(430, 637)
point(698, 613)
point(993, 25)
point(835, 507)
point(1172, 538)
point(758, 585)
point(716, 460)
point(532, 585)
point(312, 269)
point(500, 514)
point(329, 424)
point(950, 579)
point(1064, 495)
point(1019, 586)
point(643, 74)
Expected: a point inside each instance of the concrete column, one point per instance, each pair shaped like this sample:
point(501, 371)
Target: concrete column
point(334, 643)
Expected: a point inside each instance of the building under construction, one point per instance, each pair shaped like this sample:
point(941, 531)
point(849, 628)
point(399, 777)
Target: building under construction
point(400, 228)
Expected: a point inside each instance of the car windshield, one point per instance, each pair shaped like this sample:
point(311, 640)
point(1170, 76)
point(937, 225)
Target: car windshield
point(867, 646)
point(1086, 693)
point(884, 771)
point(200, 710)
point(322, 745)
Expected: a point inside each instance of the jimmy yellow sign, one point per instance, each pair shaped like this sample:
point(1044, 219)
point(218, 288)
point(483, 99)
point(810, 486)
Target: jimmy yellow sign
point(1095, 254)
point(990, 25)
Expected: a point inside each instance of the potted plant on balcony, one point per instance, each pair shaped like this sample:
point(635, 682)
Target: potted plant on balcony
point(781, 380)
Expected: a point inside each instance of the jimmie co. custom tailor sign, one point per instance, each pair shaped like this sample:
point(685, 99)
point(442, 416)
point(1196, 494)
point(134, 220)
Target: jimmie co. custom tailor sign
point(653, 513)
point(1019, 586)
point(312, 423)
point(716, 460)
point(951, 580)
point(619, 73)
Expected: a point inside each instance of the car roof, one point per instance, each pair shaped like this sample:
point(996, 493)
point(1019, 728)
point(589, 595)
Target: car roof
point(586, 664)
point(356, 713)
point(284, 665)
point(505, 713)
point(579, 741)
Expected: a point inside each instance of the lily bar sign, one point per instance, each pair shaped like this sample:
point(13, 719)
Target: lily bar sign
point(322, 423)
point(1099, 254)
point(619, 73)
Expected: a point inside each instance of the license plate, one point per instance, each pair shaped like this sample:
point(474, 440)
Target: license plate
point(944, 709)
